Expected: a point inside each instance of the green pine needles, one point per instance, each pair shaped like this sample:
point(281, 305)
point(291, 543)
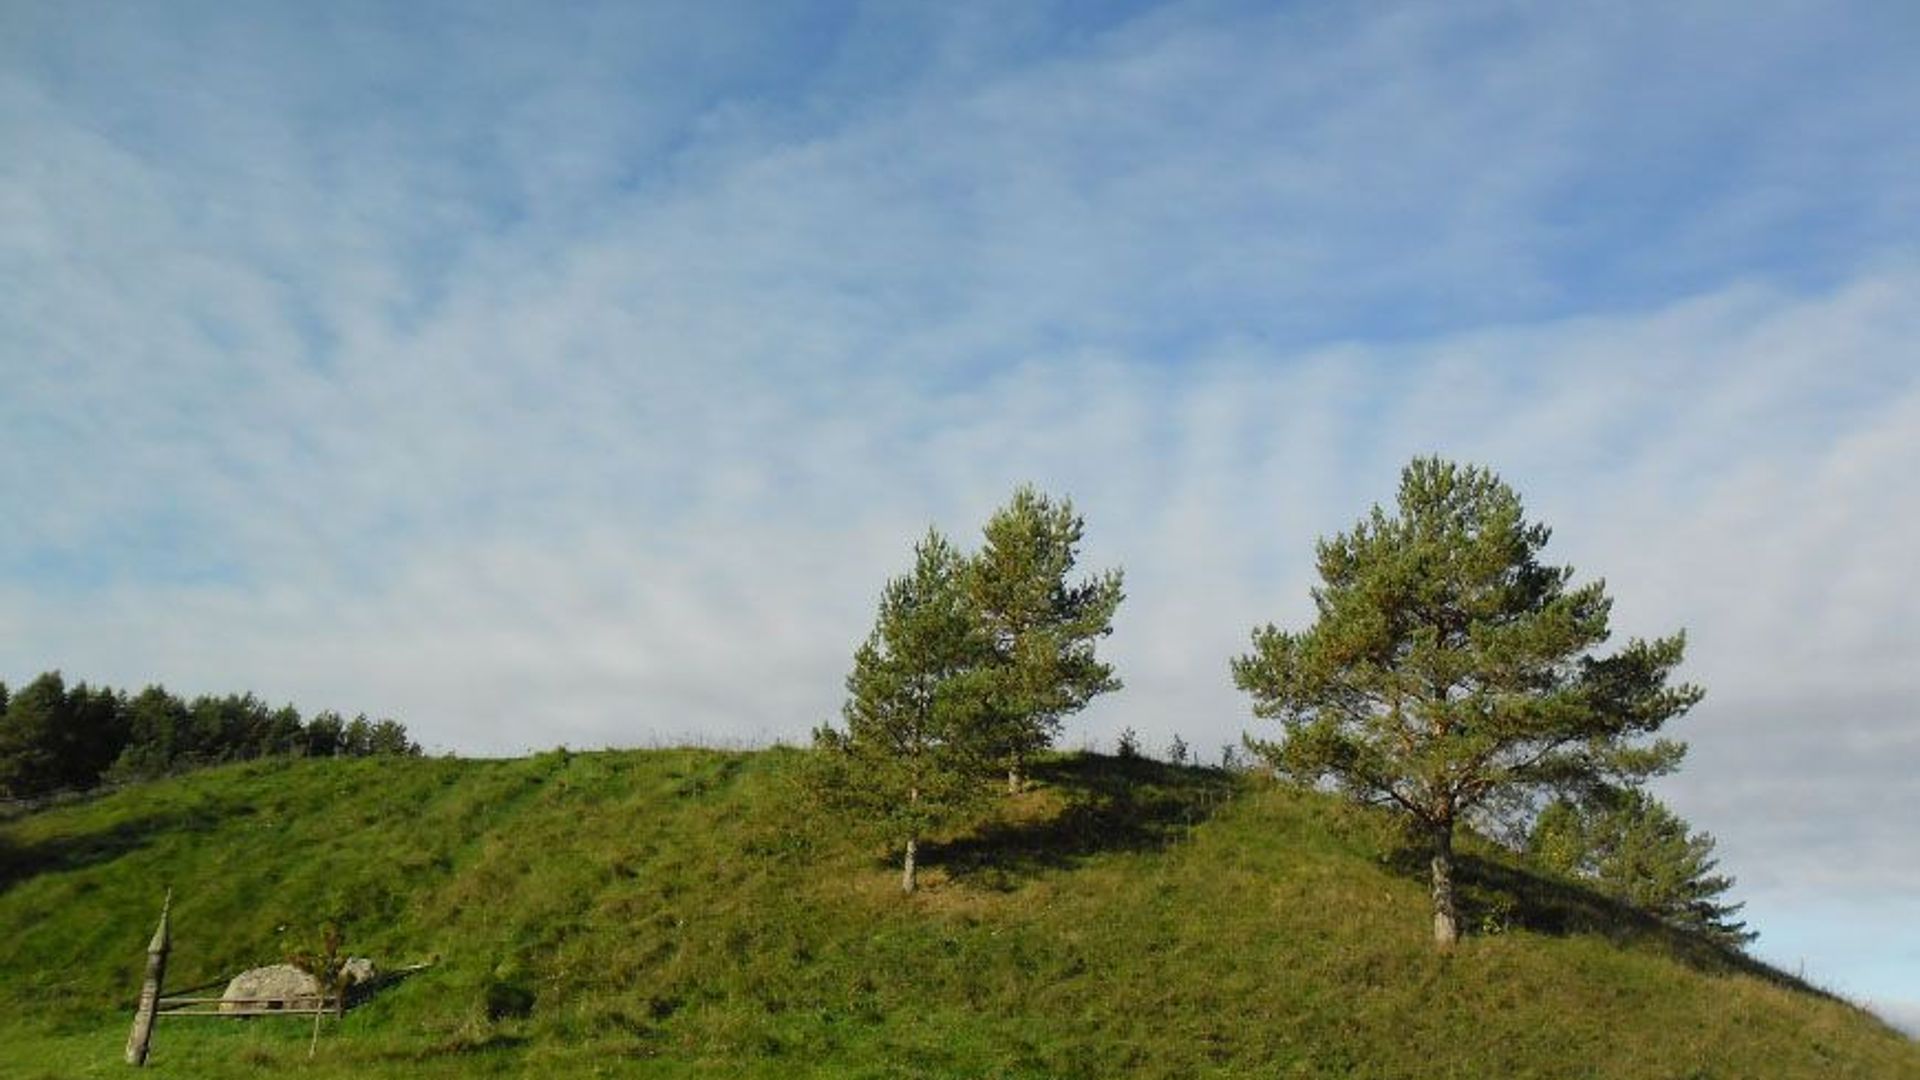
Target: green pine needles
point(1630, 846)
point(1042, 627)
point(915, 746)
point(1450, 670)
point(972, 664)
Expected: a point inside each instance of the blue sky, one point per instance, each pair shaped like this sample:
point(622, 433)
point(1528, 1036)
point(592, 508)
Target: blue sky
point(573, 374)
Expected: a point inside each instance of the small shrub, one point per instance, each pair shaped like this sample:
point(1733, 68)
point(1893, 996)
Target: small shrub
point(1129, 747)
point(1177, 751)
point(1498, 914)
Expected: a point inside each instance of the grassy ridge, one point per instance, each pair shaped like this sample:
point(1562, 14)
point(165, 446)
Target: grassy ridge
point(679, 913)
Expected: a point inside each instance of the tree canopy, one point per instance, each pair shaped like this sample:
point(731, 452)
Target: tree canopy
point(1630, 846)
point(1449, 667)
point(1043, 627)
point(915, 748)
point(54, 737)
point(971, 665)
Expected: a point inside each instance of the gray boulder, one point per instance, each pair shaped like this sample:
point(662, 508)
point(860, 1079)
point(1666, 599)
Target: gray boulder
point(268, 989)
point(282, 986)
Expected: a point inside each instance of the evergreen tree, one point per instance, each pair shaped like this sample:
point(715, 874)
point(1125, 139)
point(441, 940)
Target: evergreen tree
point(32, 734)
point(389, 737)
point(53, 737)
point(97, 732)
point(284, 731)
point(245, 724)
point(158, 735)
point(1448, 668)
point(326, 735)
point(206, 732)
point(1042, 627)
point(1633, 848)
point(915, 750)
point(357, 739)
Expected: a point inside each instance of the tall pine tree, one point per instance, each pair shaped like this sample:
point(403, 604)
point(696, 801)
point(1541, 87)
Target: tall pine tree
point(35, 733)
point(1042, 626)
point(914, 752)
point(1448, 667)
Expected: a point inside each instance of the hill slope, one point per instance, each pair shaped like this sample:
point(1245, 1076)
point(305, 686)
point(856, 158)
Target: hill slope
point(679, 913)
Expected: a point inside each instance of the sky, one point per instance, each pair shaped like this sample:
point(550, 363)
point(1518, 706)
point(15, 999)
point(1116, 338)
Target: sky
point(576, 375)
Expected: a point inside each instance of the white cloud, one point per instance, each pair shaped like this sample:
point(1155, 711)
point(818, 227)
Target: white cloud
point(1209, 484)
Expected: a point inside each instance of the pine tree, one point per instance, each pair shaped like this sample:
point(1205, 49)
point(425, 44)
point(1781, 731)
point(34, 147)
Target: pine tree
point(1043, 628)
point(1631, 847)
point(357, 739)
point(159, 732)
point(34, 733)
point(1449, 668)
point(325, 735)
point(389, 737)
point(284, 731)
point(915, 750)
point(97, 732)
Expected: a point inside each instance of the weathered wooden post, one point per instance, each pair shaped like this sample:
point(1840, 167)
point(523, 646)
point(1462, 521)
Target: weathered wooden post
point(142, 1034)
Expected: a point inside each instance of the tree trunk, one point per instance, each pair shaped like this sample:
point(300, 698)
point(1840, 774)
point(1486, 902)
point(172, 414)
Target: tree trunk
point(1446, 920)
point(907, 881)
point(1014, 781)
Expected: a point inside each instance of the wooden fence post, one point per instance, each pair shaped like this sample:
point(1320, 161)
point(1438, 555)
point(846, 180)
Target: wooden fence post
point(142, 1035)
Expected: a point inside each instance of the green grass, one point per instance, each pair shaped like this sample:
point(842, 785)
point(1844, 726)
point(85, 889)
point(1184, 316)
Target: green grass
point(680, 913)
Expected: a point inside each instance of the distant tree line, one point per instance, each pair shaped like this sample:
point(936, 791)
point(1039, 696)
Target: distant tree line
point(59, 738)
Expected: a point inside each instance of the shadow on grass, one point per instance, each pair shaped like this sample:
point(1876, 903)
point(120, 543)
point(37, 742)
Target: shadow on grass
point(21, 862)
point(1111, 804)
point(492, 1042)
point(360, 993)
point(1496, 894)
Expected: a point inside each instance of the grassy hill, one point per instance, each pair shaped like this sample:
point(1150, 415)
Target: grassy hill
point(680, 913)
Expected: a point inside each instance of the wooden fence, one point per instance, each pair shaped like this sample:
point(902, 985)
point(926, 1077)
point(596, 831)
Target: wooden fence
point(322, 1005)
point(154, 1003)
